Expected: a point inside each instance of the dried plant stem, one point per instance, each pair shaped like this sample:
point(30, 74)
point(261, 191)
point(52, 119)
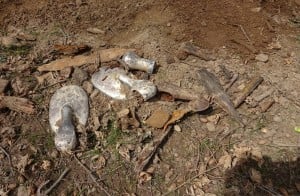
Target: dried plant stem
point(53, 185)
point(9, 159)
point(94, 178)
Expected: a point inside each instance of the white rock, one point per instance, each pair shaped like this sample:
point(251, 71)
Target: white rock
point(177, 128)
point(262, 58)
point(95, 30)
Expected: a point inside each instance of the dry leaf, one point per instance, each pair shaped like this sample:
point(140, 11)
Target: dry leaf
point(124, 152)
point(158, 118)
point(166, 97)
point(177, 115)
point(23, 163)
point(46, 165)
point(144, 177)
point(225, 161)
point(255, 176)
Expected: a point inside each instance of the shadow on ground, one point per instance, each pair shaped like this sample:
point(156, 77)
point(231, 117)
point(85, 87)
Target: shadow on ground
point(264, 177)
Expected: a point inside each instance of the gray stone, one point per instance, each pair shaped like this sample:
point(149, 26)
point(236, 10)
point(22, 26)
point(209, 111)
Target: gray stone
point(262, 58)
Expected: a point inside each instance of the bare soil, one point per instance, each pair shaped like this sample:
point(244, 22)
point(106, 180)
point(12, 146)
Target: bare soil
point(211, 154)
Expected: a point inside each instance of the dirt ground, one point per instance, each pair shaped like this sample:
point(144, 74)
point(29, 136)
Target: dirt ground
point(206, 153)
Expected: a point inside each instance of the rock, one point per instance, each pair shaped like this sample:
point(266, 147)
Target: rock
point(256, 9)
point(211, 126)
point(94, 30)
point(274, 46)
point(177, 128)
point(168, 24)
point(79, 76)
point(297, 2)
point(262, 58)
point(88, 87)
point(158, 118)
point(3, 85)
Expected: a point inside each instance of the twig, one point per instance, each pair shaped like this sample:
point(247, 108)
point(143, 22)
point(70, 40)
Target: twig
point(250, 87)
point(145, 160)
point(190, 180)
point(9, 159)
point(247, 46)
point(94, 178)
point(38, 192)
point(53, 185)
point(286, 145)
point(232, 81)
point(244, 32)
point(264, 188)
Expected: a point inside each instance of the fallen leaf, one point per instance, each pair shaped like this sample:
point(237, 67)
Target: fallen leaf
point(46, 165)
point(225, 161)
point(144, 177)
point(176, 115)
point(255, 176)
point(23, 163)
point(158, 118)
point(166, 97)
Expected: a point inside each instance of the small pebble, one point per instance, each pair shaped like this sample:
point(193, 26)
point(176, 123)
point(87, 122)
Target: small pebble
point(169, 24)
point(256, 9)
point(211, 126)
point(204, 120)
point(177, 128)
point(88, 87)
point(262, 58)
point(264, 130)
point(79, 76)
point(94, 30)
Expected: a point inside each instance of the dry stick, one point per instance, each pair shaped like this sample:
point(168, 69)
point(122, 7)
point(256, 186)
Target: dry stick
point(177, 92)
point(53, 185)
point(244, 32)
point(248, 90)
point(9, 159)
point(94, 178)
point(232, 81)
point(247, 46)
point(141, 166)
point(190, 180)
